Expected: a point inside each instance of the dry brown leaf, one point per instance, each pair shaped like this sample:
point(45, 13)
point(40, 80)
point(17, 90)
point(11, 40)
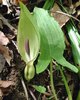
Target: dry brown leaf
point(6, 84)
point(3, 39)
point(5, 87)
point(1, 94)
point(6, 53)
point(61, 18)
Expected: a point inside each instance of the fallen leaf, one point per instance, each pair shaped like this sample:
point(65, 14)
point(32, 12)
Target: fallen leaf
point(1, 95)
point(61, 18)
point(6, 53)
point(6, 84)
point(3, 39)
point(5, 87)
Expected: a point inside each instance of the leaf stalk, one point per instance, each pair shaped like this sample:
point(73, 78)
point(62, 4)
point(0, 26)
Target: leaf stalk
point(66, 85)
point(52, 82)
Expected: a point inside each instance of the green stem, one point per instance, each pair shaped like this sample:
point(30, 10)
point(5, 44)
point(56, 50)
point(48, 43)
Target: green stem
point(48, 4)
point(66, 85)
point(78, 96)
point(51, 81)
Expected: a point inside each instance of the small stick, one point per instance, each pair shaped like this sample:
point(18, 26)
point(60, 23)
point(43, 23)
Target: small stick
point(25, 89)
point(5, 21)
point(34, 98)
point(68, 15)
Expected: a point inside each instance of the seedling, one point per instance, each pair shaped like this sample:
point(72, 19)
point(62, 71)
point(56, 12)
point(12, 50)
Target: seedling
point(32, 29)
point(40, 32)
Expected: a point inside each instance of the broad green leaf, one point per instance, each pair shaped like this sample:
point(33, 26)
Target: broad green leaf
point(52, 41)
point(28, 39)
point(40, 89)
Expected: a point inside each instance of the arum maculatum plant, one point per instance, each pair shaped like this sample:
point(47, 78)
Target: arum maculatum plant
point(40, 32)
point(28, 41)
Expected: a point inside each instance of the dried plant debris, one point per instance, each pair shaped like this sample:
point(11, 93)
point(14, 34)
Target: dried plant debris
point(3, 39)
point(5, 22)
point(6, 84)
point(60, 17)
point(5, 87)
point(6, 53)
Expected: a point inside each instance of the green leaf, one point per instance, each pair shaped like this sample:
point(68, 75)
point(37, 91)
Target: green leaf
point(40, 89)
point(28, 39)
point(52, 41)
point(75, 42)
point(48, 4)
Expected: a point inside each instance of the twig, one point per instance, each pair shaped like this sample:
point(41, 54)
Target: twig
point(25, 89)
point(34, 98)
point(5, 21)
point(60, 12)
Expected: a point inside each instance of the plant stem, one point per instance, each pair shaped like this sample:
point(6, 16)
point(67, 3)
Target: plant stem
point(51, 81)
point(25, 89)
point(66, 85)
point(48, 4)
